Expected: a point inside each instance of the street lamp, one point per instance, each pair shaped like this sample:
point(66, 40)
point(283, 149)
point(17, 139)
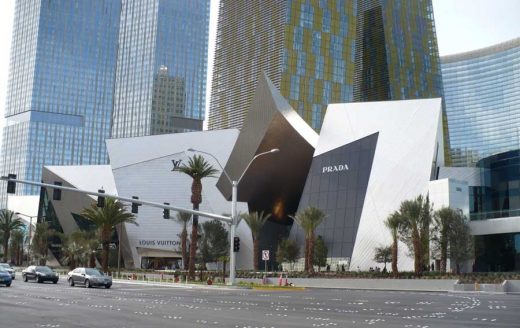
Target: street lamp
point(234, 219)
point(30, 233)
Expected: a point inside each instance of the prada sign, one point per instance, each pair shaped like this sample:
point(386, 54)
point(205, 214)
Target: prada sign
point(334, 168)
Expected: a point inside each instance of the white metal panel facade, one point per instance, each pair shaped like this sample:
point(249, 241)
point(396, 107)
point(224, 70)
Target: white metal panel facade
point(410, 142)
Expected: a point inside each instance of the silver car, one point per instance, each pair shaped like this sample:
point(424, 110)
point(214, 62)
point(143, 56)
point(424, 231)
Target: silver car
point(8, 268)
point(88, 277)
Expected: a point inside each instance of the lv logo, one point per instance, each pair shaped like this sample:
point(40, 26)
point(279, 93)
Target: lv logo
point(176, 164)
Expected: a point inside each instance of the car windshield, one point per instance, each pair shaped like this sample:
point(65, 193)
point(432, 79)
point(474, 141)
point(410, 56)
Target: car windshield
point(93, 272)
point(43, 269)
point(4, 265)
point(2, 269)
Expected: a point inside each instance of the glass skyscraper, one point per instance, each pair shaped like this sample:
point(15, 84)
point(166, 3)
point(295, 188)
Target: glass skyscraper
point(161, 67)
point(482, 95)
point(60, 91)
point(321, 52)
point(82, 71)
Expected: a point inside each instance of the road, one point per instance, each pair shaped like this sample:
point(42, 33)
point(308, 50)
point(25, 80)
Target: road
point(125, 305)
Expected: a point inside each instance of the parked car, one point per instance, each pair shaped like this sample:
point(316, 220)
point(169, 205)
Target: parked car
point(89, 277)
point(9, 269)
point(5, 277)
point(40, 274)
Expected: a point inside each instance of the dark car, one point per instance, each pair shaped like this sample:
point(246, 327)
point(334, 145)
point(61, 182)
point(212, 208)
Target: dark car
point(5, 277)
point(89, 277)
point(9, 269)
point(40, 274)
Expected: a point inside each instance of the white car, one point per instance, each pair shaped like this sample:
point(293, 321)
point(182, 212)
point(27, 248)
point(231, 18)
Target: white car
point(8, 268)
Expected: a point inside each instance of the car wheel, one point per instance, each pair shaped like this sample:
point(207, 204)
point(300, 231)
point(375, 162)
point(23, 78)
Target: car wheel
point(71, 282)
point(39, 280)
point(24, 278)
point(55, 281)
point(107, 286)
point(8, 285)
point(87, 283)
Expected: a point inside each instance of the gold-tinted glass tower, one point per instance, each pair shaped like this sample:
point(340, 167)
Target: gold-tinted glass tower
point(318, 52)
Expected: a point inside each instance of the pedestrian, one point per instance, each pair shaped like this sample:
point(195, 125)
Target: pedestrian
point(328, 268)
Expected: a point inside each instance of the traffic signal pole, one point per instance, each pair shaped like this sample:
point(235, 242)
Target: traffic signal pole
point(222, 218)
point(232, 232)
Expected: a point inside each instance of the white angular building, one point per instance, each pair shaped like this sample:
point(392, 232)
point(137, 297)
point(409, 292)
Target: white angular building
point(142, 167)
point(370, 157)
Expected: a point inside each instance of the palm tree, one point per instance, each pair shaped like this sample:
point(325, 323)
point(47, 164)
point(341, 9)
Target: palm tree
point(255, 221)
point(383, 254)
point(443, 222)
point(198, 169)
point(414, 219)
point(8, 223)
point(393, 223)
point(17, 238)
point(105, 219)
point(73, 249)
point(40, 241)
point(309, 219)
point(183, 218)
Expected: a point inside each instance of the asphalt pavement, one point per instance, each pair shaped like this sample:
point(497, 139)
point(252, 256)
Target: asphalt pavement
point(134, 305)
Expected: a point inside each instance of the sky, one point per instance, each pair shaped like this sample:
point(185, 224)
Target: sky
point(462, 25)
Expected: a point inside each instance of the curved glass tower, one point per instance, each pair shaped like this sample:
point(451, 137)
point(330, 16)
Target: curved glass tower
point(482, 96)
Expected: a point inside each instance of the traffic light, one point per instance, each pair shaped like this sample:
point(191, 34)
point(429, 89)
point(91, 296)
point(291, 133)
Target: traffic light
point(236, 244)
point(166, 212)
point(11, 185)
point(135, 206)
point(101, 199)
point(56, 193)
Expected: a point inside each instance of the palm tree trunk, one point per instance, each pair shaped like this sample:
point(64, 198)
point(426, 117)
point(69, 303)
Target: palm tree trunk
point(311, 252)
point(417, 250)
point(92, 260)
point(184, 237)
point(444, 252)
point(306, 262)
point(20, 258)
point(6, 245)
point(224, 271)
point(193, 243)
point(105, 236)
point(394, 257)
point(256, 250)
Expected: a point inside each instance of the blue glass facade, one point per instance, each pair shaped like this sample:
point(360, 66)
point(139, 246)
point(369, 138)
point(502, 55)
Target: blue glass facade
point(482, 96)
point(499, 193)
point(60, 92)
point(161, 41)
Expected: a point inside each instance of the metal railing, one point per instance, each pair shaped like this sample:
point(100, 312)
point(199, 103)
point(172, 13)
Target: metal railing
point(494, 214)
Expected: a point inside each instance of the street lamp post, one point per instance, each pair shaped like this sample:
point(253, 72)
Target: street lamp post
point(234, 197)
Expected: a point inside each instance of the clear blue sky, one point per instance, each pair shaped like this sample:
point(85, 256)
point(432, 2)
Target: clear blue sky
point(462, 25)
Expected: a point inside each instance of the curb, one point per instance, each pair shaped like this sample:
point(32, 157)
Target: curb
point(176, 285)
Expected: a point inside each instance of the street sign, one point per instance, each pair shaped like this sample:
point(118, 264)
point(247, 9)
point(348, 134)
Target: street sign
point(265, 255)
